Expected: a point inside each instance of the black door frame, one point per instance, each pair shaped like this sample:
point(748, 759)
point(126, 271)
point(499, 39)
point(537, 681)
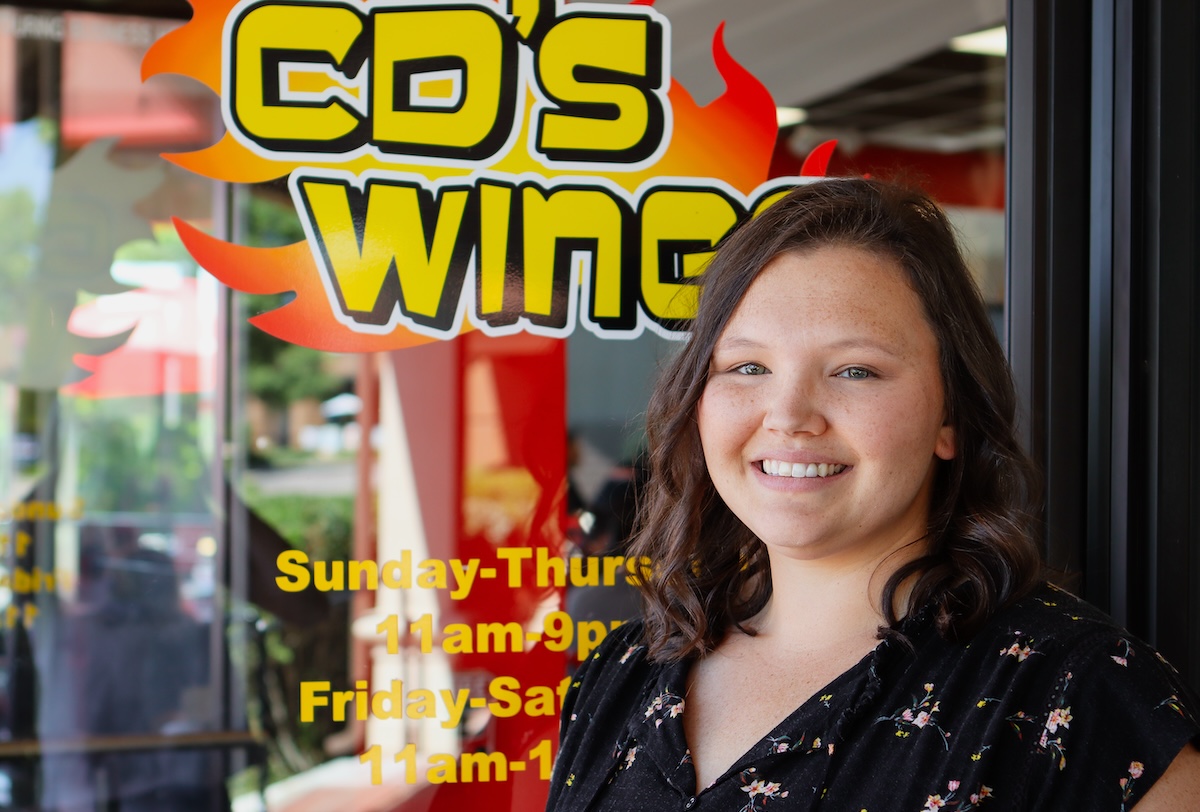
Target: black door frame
point(1102, 252)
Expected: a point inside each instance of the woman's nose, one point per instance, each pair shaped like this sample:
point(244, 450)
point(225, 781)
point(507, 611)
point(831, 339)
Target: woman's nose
point(794, 408)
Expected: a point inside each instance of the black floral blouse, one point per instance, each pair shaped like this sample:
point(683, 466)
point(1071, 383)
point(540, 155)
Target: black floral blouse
point(1049, 707)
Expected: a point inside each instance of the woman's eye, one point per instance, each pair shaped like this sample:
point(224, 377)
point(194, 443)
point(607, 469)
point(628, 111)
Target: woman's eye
point(856, 373)
point(750, 368)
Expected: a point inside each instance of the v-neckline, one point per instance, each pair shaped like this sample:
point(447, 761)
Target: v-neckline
point(811, 727)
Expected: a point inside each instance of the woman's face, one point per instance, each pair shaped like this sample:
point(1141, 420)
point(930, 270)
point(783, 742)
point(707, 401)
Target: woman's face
point(823, 416)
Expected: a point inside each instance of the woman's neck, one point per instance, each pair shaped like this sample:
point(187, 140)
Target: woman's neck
point(818, 604)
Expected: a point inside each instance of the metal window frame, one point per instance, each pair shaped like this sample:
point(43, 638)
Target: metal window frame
point(1046, 254)
point(1103, 248)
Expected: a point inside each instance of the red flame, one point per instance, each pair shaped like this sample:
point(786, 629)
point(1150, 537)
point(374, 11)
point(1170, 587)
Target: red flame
point(816, 165)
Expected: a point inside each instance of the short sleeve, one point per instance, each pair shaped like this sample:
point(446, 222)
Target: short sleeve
point(1117, 717)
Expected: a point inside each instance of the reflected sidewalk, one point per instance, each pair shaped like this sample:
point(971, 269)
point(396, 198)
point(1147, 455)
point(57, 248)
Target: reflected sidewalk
point(341, 785)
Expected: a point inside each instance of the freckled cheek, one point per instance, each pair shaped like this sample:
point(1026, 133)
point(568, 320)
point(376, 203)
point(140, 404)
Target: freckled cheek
point(911, 431)
point(724, 421)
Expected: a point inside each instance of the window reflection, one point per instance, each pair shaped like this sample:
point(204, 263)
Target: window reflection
point(110, 630)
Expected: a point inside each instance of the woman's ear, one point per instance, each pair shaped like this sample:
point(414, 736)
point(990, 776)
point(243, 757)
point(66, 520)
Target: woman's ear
point(946, 447)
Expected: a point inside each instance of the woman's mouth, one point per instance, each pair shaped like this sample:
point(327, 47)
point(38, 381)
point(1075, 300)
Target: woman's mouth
point(800, 470)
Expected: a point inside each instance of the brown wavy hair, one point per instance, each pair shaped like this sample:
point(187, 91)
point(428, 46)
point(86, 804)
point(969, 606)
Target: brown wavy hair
point(709, 572)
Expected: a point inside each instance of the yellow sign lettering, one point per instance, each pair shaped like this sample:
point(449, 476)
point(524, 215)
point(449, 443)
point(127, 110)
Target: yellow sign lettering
point(680, 227)
point(557, 226)
point(604, 73)
point(284, 88)
point(443, 82)
point(392, 249)
point(398, 251)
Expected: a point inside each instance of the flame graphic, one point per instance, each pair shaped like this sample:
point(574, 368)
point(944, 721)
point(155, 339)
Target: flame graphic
point(731, 138)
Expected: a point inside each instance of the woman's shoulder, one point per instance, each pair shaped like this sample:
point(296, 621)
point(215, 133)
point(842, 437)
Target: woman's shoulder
point(1050, 704)
point(1054, 621)
point(1107, 708)
point(600, 700)
point(1070, 641)
point(608, 671)
point(625, 641)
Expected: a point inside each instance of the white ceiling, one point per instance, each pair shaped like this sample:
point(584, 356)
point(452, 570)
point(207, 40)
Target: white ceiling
point(804, 50)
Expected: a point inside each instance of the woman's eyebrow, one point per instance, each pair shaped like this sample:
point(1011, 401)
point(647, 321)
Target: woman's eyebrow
point(741, 342)
point(866, 343)
point(737, 342)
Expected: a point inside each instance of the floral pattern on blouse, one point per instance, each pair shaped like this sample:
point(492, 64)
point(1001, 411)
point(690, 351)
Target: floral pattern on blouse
point(761, 792)
point(668, 704)
point(1136, 768)
point(931, 725)
point(1122, 659)
point(1053, 727)
point(952, 800)
point(917, 716)
point(1021, 648)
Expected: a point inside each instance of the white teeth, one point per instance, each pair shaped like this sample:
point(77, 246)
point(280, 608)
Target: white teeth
point(800, 470)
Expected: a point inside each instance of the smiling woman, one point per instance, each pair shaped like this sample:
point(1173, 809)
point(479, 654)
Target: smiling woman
point(846, 607)
point(859, 273)
point(828, 345)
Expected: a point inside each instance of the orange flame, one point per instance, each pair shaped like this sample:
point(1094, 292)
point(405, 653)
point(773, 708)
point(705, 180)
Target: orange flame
point(193, 49)
point(732, 138)
point(307, 319)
